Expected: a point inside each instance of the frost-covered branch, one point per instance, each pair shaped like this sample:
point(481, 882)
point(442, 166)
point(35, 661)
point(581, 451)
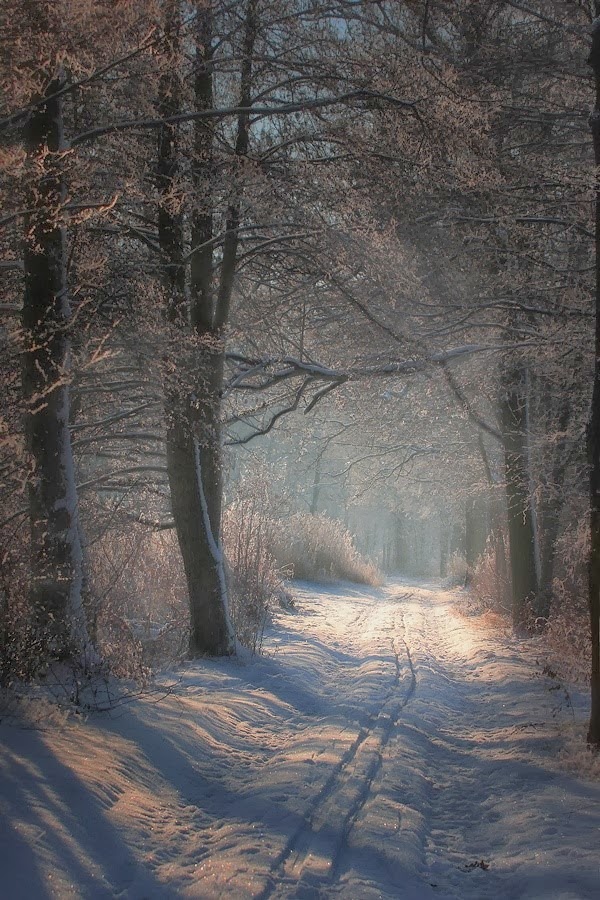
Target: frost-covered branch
point(257, 113)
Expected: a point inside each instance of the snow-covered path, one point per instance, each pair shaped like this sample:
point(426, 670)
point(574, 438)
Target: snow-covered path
point(384, 747)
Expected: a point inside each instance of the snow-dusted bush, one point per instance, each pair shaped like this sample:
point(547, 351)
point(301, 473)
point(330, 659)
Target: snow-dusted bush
point(490, 584)
point(255, 584)
point(139, 609)
point(457, 570)
point(27, 638)
point(316, 547)
point(567, 639)
point(23, 643)
point(567, 635)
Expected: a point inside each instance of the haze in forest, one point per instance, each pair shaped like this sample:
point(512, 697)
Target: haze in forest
point(296, 291)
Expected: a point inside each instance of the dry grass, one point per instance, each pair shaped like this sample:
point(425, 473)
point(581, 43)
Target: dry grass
point(319, 548)
point(457, 570)
point(489, 588)
point(138, 607)
point(24, 647)
point(566, 638)
point(255, 583)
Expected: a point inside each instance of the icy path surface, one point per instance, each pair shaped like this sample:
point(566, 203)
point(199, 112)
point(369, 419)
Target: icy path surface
point(385, 746)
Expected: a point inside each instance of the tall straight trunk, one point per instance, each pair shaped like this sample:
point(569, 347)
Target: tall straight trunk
point(457, 539)
point(194, 466)
point(400, 547)
point(550, 526)
point(209, 315)
point(476, 530)
point(593, 432)
point(195, 487)
point(194, 445)
point(444, 541)
point(521, 536)
point(210, 360)
point(56, 553)
point(201, 264)
point(493, 523)
point(532, 488)
point(470, 529)
point(550, 511)
point(242, 143)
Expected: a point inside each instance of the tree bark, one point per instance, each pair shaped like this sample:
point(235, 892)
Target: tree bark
point(475, 533)
point(444, 542)
point(211, 630)
point(521, 536)
point(593, 431)
point(194, 438)
point(56, 553)
point(551, 505)
point(192, 410)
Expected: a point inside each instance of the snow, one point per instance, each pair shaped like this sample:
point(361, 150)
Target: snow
point(214, 547)
point(387, 746)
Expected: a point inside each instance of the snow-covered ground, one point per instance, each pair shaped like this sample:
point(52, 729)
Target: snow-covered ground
point(385, 746)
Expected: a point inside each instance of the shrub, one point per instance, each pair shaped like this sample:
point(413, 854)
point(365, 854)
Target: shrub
point(567, 639)
point(457, 570)
point(316, 547)
point(139, 607)
point(25, 642)
point(255, 584)
point(567, 634)
point(490, 586)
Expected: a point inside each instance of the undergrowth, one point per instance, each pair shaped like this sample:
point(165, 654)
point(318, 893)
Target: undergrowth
point(256, 584)
point(319, 548)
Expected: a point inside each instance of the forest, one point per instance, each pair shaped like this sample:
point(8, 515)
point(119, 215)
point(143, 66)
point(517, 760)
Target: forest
point(264, 260)
point(297, 290)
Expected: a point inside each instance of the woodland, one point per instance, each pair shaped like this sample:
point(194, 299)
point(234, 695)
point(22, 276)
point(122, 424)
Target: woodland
point(294, 287)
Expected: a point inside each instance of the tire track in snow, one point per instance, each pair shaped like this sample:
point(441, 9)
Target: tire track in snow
point(311, 855)
point(356, 808)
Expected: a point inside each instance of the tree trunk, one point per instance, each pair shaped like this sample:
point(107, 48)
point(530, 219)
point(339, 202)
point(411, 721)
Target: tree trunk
point(593, 431)
point(475, 533)
point(193, 447)
point(551, 508)
point(521, 537)
point(209, 318)
point(201, 264)
point(457, 540)
point(532, 491)
point(550, 526)
point(194, 433)
point(210, 602)
point(196, 500)
point(56, 554)
point(444, 543)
